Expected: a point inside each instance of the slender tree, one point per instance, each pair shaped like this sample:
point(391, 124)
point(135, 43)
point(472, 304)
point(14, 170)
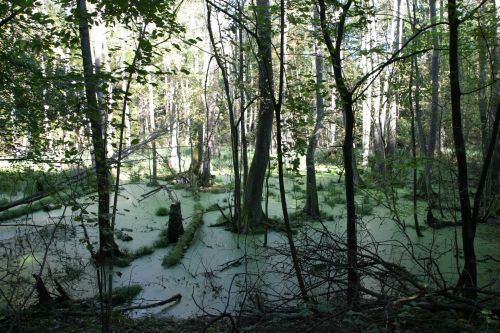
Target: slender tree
point(346, 97)
point(312, 206)
point(106, 242)
point(252, 213)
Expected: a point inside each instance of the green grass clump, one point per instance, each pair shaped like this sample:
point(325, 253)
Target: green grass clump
point(329, 201)
point(143, 251)
point(177, 252)
point(218, 189)
point(364, 209)
point(127, 257)
point(162, 211)
point(125, 294)
point(46, 204)
point(162, 240)
point(298, 188)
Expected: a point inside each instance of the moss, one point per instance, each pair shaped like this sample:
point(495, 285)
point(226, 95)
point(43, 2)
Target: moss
point(162, 240)
point(143, 251)
point(298, 188)
point(162, 211)
point(127, 257)
point(46, 204)
point(125, 294)
point(218, 189)
point(177, 252)
point(300, 216)
point(364, 209)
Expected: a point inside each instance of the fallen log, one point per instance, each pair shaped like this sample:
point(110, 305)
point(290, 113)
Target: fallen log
point(80, 175)
point(174, 299)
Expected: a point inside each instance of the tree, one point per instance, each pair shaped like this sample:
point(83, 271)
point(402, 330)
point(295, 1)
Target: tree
point(252, 213)
point(346, 97)
point(312, 206)
point(469, 274)
point(106, 241)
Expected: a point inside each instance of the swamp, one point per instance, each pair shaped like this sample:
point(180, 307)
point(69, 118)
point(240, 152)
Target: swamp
point(249, 166)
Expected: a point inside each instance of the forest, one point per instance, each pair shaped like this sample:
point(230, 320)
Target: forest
point(249, 166)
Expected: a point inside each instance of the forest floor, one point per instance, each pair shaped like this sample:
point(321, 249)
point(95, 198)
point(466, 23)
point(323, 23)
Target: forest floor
point(342, 321)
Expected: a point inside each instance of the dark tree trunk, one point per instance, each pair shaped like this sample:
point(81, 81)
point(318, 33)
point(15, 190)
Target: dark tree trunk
point(353, 282)
point(44, 297)
point(175, 228)
point(414, 144)
point(106, 241)
point(312, 205)
point(241, 79)
point(252, 208)
point(233, 126)
point(197, 155)
point(469, 274)
point(434, 119)
point(98, 140)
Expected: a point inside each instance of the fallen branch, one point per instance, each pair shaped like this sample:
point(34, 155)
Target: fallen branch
point(173, 299)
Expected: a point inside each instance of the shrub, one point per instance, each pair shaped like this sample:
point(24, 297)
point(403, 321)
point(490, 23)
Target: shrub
point(125, 294)
point(162, 211)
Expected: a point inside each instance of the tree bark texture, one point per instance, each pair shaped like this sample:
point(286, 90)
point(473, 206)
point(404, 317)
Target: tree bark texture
point(252, 213)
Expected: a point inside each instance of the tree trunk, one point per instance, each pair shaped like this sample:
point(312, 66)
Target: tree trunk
point(413, 139)
point(469, 274)
point(367, 104)
point(106, 242)
point(233, 127)
point(175, 228)
point(252, 208)
point(353, 282)
point(312, 206)
point(392, 99)
point(434, 119)
point(152, 127)
point(124, 86)
point(241, 88)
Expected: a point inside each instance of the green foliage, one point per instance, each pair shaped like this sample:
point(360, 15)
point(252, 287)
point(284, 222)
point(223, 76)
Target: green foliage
point(162, 240)
point(125, 294)
point(364, 209)
point(46, 204)
point(127, 257)
point(177, 252)
point(162, 211)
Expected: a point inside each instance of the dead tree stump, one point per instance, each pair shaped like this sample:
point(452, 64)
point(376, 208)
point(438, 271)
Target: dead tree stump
point(43, 294)
point(175, 228)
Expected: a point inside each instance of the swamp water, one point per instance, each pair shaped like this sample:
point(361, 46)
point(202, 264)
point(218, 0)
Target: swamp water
point(214, 275)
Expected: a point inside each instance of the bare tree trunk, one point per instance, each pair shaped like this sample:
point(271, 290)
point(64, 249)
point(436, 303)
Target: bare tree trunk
point(106, 243)
point(312, 205)
point(392, 100)
point(469, 274)
point(123, 62)
point(241, 82)
point(367, 104)
point(152, 127)
point(233, 126)
point(353, 283)
point(434, 119)
point(413, 139)
point(252, 208)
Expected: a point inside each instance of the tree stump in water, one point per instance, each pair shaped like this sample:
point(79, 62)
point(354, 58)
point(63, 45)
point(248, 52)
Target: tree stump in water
point(43, 294)
point(175, 228)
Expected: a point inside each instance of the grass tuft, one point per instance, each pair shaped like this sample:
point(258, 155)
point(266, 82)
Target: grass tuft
point(162, 211)
point(128, 257)
point(125, 294)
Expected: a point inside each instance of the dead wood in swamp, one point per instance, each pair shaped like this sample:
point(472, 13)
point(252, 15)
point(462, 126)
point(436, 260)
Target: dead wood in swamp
point(419, 312)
